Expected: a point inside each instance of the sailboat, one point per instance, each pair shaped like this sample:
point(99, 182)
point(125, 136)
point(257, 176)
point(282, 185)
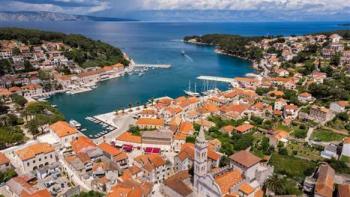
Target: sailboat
point(208, 91)
point(191, 93)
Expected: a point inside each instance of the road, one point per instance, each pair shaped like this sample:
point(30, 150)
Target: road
point(122, 124)
point(309, 133)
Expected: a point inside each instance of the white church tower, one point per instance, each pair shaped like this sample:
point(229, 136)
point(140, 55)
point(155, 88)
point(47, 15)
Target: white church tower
point(200, 158)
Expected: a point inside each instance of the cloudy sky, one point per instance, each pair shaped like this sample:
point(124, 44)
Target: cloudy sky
point(195, 9)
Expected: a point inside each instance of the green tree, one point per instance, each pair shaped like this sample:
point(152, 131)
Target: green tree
point(335, 59)
point(7, 175)
point(90, 194)
point(19, 100)
point(275, 184)
point(16, 51)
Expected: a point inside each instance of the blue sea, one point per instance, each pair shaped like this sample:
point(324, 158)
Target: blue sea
point(160, 43)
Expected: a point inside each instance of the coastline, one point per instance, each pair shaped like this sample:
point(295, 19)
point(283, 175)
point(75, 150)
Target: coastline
point(222, 52)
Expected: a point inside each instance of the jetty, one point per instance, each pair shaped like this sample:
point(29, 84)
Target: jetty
point(152, 65)
point(214, 78)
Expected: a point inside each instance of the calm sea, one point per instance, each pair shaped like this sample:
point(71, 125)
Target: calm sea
point(159, 43)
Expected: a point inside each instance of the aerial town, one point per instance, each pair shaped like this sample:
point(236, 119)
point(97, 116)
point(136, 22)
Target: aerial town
point(283, 130)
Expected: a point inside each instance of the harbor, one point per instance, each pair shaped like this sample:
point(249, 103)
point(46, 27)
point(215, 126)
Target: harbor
point(139, 84)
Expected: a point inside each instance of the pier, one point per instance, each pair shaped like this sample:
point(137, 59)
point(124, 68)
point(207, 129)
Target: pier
point(214, 78)
point(153, 65)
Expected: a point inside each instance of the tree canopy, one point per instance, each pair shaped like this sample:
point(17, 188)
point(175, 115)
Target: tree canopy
point(85, 51)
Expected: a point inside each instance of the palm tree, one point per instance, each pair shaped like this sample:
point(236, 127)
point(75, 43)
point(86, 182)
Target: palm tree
point(275, 185)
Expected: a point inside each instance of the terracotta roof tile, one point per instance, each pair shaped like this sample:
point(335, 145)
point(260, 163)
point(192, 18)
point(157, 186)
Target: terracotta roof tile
point(325, 181)
point(151, 161)
point(63, 129)
point(82, 143)
point(150, 121)
point(129, 137)
point(245, 158)
point(33, 150)
point(3, 159)
point(343, 190)
point(176, 183)
point(107, 148)
point(244, 128)
point(246, 188)
point(228, 180)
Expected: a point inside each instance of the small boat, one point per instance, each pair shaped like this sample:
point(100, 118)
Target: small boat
point(84, 129)
point(140, 74)
point(183, 52)
point(211, 91)
point(75, 123)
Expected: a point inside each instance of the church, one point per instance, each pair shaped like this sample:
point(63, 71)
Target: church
point(244, 176)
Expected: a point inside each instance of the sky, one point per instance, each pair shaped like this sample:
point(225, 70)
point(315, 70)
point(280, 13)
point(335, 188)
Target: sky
point(240, 10)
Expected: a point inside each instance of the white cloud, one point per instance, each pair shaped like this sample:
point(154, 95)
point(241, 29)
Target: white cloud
point(244, 4)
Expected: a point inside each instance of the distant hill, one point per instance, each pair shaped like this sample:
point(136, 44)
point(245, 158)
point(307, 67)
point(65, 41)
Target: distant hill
point(52, 16)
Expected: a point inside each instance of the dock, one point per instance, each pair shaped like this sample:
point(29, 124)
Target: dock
point(153, 65)
point(214, 78)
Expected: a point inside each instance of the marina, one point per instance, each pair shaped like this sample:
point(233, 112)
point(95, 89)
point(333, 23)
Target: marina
point(106, 127)
point(153, 65)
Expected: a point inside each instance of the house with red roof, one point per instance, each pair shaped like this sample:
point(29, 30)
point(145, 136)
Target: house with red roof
point(64, 132)
point(290, 110)
point(250, 166)
point(244, 128)
point(118, 156)
point(155, 168)
point(305, 97)
point(338, 106)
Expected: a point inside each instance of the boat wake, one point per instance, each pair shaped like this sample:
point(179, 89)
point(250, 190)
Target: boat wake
point(188, 58)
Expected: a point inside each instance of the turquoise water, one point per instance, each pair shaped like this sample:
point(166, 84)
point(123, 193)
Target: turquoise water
point(159, 43)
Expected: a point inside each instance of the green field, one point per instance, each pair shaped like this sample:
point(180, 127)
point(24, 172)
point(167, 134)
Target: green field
point(292, 167)
point(324, 135)
point(304, 151)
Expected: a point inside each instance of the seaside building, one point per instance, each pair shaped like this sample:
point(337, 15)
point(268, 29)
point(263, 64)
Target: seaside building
point(64, 132)
point(128, 139)
point(150, 123)
point(157, 139)
point(36, 156)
